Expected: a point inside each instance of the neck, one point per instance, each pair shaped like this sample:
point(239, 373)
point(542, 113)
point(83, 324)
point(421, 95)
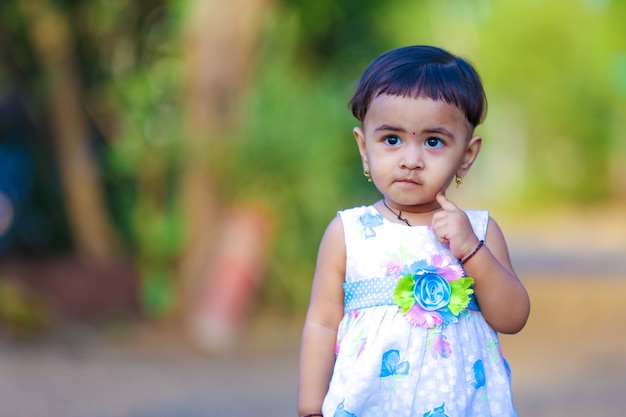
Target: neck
point(411, 215)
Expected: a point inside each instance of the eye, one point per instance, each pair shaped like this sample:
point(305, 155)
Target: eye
point(392, 140)
point(434, 143)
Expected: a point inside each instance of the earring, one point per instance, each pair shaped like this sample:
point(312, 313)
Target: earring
point(458, 180)
point(367, 174)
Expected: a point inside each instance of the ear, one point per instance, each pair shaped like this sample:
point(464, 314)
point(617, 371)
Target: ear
point(360, 141)
point(471, 152)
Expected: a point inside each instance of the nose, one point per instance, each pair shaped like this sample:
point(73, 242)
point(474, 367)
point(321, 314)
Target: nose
point(412, 157)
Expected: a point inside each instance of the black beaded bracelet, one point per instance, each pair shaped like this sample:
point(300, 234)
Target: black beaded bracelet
point(313, 415)
point(468, 257)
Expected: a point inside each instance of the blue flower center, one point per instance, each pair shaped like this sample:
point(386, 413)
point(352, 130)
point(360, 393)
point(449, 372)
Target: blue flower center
point(432, 291)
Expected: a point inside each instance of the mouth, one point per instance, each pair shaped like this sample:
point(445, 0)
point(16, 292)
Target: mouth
point(408, 181)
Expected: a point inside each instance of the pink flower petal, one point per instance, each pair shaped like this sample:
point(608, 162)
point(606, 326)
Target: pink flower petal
point(437, 260)
point(451, 272)
point(441, 347)
point(420, 317)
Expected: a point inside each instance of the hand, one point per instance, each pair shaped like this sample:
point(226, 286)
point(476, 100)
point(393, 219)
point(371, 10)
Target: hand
point(451, 225)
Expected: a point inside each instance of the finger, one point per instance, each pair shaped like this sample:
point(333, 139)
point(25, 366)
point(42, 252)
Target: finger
point(445, 203)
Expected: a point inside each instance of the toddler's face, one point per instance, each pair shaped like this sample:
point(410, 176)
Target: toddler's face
point(413, 147)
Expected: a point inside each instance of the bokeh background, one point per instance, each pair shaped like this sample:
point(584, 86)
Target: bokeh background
point(167, 169)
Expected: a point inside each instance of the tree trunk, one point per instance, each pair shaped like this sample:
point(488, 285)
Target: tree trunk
point(90, 226)
point(220, 37)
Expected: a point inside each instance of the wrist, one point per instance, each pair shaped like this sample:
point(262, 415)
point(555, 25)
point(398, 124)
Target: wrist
point(470, 255)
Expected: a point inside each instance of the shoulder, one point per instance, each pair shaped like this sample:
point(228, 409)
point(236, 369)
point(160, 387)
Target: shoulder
point(334, 228)
point(333, 241)
point(494, 232)
point(497, 244)
point(331, 258)
point(487, 229)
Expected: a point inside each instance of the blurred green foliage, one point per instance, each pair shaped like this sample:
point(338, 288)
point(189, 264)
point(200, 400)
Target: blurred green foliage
point(22, 314)
point(555, 75)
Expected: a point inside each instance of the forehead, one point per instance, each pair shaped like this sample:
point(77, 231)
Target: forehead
point(413, 113)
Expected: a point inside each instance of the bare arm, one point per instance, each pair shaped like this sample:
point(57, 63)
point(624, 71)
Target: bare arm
point(502, 298)
point(317, 352)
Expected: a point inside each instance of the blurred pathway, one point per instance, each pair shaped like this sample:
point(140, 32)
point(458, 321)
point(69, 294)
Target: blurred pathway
point(112, 380)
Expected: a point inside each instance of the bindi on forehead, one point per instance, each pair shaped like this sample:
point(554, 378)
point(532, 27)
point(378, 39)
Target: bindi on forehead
point(413, 133)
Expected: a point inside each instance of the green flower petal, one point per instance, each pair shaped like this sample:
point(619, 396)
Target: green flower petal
point(403, 295)
point(459, 296)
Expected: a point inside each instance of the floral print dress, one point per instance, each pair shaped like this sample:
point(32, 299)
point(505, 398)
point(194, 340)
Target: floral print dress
point(412, 341)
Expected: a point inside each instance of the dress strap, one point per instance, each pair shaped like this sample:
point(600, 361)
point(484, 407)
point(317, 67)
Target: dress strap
point(479, 220)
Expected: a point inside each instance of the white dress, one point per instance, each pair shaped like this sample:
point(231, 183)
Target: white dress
point(412, 341)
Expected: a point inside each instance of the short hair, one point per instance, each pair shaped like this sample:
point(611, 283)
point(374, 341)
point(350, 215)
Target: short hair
point(422, 71)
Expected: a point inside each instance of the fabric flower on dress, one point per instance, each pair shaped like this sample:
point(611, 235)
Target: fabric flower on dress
point(437, 412)
point(433, 293)
point(437, 344)
point(342, 412)
point(368, 223)
point(391, 365)
point(393, 269)
point(479, 374)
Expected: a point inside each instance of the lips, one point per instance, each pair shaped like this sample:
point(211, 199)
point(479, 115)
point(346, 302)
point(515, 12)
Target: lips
point(409, 181)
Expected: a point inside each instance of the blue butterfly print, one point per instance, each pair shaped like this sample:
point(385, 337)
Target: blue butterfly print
point(392, 366)
point(341, 411)
point(369, 222)
point(437, 412)
point(479, 374)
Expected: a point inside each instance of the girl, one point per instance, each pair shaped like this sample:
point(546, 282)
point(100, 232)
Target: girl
point(410, 292)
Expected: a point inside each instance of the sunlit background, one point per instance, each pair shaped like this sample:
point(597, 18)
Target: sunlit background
point(167, 169)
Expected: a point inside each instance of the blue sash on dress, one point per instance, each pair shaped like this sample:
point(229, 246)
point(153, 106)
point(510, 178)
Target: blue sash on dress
point(374, 292)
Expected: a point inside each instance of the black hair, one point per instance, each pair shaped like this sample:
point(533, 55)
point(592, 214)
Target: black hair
point(422, 71)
